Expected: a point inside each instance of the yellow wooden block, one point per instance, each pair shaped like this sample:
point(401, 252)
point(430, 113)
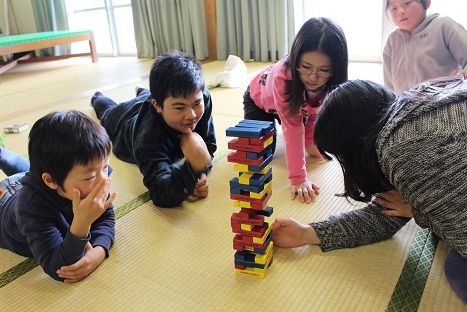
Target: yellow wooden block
point(267, 187)
point(261, 240)
point(268, 142)
point(266, 257)
point(242, 204)
point(240, 167)
point(247, 227)
point(256, 272)
point(265, 170)
point(245, 178)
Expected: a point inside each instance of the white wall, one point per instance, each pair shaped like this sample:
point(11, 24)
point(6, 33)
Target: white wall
point(20, 15)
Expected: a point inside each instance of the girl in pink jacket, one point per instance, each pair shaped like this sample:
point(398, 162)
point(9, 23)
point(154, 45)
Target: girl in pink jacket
point(292, 91)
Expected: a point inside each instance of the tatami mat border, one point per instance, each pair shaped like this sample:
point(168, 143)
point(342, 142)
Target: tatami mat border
point(409, 288)
point(18, 270)
point(30, 263)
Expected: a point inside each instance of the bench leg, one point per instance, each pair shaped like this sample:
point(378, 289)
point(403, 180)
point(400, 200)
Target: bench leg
point(92, 47)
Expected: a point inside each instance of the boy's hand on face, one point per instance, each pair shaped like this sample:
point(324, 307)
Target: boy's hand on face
point(202, 188)
point(195, 150)
point(84, 266)
point(88, 209)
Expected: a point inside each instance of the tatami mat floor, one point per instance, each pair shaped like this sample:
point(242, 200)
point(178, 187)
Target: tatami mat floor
point(182, 259)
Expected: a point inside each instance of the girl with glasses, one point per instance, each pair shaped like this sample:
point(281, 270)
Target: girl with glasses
point(292, 90)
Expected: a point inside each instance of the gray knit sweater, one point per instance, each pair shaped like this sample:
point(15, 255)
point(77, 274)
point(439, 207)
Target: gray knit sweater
point(422, 151)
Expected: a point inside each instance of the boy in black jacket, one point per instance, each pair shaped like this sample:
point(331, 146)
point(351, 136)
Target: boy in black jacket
point(168, 132)
point(59, 212)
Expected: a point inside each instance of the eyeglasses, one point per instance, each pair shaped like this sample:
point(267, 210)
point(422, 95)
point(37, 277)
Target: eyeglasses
point(320, 73)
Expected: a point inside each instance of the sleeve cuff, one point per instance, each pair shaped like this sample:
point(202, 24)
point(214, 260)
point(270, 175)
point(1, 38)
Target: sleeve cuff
point(74, 245)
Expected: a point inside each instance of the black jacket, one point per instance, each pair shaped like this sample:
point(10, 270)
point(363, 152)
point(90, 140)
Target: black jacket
point(144, 138)
point(36, 222)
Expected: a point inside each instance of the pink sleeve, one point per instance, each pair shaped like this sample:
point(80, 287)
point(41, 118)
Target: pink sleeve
point(294, 137)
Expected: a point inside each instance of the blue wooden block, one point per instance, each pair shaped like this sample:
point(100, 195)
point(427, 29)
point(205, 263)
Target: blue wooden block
point(265, 152)
point(250, 188)
point(262, 166)
point(249, 264)
point(267, 211)
point(244, 132)
point(250, 129)
point(267, 125)
point(260, 179)
point(234, 190)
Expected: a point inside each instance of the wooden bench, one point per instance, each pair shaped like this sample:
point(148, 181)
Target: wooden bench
point(35, 41)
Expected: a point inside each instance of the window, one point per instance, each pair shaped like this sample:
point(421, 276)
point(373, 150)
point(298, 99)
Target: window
point(365, 24)
point(361, 21)
point(110, 20)
point(455, 9)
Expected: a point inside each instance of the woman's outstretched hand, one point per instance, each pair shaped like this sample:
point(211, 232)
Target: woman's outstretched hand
point(290, 233)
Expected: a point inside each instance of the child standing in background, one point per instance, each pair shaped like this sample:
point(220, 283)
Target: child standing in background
point(292, 91)
point(422, 47)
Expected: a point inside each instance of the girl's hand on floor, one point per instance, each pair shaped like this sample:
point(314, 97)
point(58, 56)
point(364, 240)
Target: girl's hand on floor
point(306, 191)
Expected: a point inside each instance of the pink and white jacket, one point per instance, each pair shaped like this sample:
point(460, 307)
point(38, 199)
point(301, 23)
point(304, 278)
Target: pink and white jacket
point(267, 90)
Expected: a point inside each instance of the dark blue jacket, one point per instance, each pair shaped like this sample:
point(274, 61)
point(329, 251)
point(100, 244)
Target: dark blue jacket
point(144, 138)
point(36, 222)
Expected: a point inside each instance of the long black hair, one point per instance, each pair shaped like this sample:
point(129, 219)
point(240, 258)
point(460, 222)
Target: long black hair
point(318, 34)
point(347, 127)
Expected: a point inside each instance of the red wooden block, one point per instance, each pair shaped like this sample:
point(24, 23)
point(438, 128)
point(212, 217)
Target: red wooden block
point(252, 218)
point(245, 141)
point(234, 145)
point(257, 231)
point(233, 157)
point(261, 140)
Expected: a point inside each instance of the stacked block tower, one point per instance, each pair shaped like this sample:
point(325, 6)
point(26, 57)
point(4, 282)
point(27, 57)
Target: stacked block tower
point(250, 192)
